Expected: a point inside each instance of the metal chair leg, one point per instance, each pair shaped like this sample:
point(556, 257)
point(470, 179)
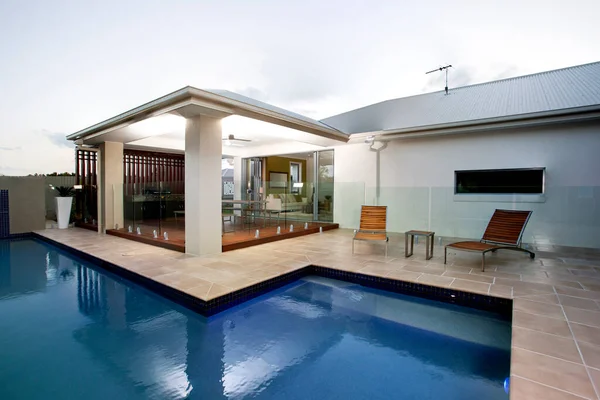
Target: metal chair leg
point(482, 262)
point(445, 254)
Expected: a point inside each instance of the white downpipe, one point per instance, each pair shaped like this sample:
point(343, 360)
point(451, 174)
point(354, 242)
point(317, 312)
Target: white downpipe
point(378, 169)
point(63, 211)
point(429, 214)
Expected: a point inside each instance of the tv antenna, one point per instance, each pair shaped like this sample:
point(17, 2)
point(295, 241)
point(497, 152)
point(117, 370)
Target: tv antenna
point(442, 69)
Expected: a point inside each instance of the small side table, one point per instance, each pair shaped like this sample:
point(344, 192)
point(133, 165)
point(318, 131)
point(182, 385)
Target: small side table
point(428, 246)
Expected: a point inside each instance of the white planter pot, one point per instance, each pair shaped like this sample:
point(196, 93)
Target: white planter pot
point(63, 211)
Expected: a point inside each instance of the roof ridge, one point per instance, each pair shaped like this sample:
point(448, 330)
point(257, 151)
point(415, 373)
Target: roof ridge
point(523, 76)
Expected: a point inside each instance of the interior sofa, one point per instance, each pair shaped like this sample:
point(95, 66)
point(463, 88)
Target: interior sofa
point(286, 202)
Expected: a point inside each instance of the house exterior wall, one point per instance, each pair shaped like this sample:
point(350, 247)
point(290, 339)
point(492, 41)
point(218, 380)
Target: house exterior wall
point(26, 202)
point(417, 182)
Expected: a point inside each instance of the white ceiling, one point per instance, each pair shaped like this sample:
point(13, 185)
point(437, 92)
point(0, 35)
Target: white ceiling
point(168, 132)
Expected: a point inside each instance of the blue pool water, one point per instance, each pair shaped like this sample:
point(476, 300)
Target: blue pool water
point(70, 331)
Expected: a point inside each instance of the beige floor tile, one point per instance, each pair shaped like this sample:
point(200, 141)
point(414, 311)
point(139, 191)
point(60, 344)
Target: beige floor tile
point(577, 302)
point(259, 274)
point(187, 282)
point(586, 333)
point(595, 375)
point(423, 269)
point(591, 354)
point(551, 345)
point(498, 274)
point(435, 280)
point(470, 286)
point(553, 282)
point(542, 298)
point(501, 291)
point(199, 291)
point(537, 287)
point(584, 317)
point(350, 267)
point(584, 294)
point(217, 290)
point(523, 389)
point(458, 268)
point(470, 277)
point(591, 286)
point(561, 374)
point(152, 272)
point(241, 282)
point(520, 292)
point(534, 307)
point(402, 275)
point(540, 323)
point(378, 269)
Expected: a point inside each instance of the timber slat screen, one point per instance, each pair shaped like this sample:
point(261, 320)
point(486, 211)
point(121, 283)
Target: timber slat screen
point(86, 203)
point(145, 170)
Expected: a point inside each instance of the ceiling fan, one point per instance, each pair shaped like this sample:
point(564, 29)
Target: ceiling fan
point(231, 140)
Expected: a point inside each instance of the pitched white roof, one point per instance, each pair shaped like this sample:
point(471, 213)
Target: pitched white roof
point(266, 106)
point(568, 88)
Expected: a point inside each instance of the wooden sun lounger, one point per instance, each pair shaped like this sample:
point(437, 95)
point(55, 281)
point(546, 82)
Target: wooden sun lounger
point(504, 231)
point(373, 221)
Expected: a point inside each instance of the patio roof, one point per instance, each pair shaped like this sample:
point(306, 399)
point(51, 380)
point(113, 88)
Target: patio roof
point(190, 101)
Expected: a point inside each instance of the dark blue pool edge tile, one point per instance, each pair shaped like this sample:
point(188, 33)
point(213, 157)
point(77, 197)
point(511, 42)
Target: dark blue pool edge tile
point(483, 302)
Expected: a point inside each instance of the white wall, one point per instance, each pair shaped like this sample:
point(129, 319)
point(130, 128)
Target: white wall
point(417, 178)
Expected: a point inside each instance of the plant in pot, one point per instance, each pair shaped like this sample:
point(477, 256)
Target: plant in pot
point(64, 203)
point(328, 202)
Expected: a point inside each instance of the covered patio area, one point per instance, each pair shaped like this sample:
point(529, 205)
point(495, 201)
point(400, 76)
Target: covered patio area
point(158, 170)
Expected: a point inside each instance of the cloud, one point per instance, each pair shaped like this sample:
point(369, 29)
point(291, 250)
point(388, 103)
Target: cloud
point(10, 148)
point(58, 139)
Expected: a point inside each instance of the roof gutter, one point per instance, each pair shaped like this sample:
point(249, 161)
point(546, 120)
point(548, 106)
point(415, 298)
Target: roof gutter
point(570, 115)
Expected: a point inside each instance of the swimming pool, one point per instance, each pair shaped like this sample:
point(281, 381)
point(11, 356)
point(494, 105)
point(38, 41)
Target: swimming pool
point(70, 330)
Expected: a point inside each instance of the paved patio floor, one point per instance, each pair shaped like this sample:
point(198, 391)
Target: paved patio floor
point(555, 350)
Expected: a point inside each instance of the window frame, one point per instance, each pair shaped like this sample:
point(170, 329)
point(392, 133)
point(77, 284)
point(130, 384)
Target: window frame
point(542, 193)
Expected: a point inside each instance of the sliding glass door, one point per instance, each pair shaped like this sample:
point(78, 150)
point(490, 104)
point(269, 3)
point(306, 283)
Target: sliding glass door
point(323, 205)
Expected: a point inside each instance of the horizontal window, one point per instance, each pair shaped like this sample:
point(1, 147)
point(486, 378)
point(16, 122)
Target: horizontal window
point(500, 181)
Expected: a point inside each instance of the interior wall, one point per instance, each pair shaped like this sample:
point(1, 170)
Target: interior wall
point(417, 182)
point(26, 202)
point(282, 164)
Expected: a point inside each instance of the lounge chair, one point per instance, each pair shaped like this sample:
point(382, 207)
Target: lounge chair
point(504, 231)
point(373, 221)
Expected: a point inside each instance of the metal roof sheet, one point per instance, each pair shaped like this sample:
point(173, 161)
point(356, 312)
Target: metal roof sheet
point(561, 89)
point(266, 106)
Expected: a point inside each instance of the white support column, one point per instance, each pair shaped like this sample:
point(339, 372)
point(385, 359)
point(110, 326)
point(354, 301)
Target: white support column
point(110, 193)
point(238, 183)
point(203, 149)
point(237, 178)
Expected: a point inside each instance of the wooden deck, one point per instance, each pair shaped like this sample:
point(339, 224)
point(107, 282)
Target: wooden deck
point(235, 237)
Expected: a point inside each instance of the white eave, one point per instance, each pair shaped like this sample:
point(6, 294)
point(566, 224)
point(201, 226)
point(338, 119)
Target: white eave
point(191, 101)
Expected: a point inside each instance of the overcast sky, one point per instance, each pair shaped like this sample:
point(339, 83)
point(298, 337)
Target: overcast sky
point(65, 65)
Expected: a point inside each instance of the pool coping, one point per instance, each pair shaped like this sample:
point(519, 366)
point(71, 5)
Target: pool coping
point(207, 308)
